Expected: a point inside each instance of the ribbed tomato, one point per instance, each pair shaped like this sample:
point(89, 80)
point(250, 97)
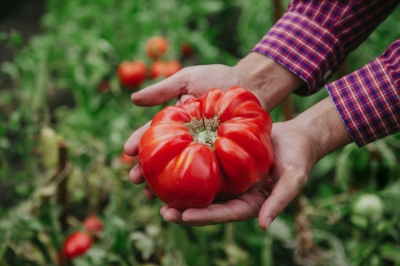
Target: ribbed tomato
point(210, 148)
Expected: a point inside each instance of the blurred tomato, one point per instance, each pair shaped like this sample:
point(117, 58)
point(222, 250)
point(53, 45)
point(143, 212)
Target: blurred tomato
point(104, 86)
point(156, 47)
point(93, 224)
point(164, 69)
point(172, 67)
point(132, 74)
point(157, 69)
point(126, 159)
point(76, 245)
point(186, 49)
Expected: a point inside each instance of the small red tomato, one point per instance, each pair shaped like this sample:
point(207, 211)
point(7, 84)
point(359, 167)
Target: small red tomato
point(186, 50)
point(126, 159)
point(172, 67)
point(158, 69)
point(104, 86)
point(132, 74)
point(93, 224)
point(164, 69)
point(156, 47)
point(76, 245)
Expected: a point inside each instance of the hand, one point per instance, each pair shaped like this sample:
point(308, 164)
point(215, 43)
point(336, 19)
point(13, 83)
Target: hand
point(298, 144)
point(295, 155)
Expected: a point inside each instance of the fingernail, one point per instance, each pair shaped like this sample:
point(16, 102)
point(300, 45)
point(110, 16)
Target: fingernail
point(268, 223)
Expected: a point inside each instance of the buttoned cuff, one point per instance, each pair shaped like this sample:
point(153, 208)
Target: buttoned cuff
point(304, 47)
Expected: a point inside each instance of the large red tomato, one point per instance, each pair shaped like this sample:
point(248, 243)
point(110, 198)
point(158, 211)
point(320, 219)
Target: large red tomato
point(76, 244)
point(132, 74)
point(210, 148)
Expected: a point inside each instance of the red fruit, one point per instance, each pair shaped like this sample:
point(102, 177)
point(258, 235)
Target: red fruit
point(164, 69)
point(156, 47)
point(126, 159)
point(157, 69)
point(76, 245)
point(104, 86)
point(132, 74)
point(186, 49)
point(93, 224)
point(172, 67)
point(206, 149)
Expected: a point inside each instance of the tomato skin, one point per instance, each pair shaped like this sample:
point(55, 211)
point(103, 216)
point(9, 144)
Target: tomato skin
point(164, 69)
point(186, 50)
point(157, 69)
point(76, 244)
point(126, 159)
point(172, 67)
point(156, 47)
point(187, 167)
point(93, 224)
point(132, 74)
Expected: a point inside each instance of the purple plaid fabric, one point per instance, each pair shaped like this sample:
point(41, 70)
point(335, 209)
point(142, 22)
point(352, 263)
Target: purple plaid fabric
point(313, 38)
point(368, 99)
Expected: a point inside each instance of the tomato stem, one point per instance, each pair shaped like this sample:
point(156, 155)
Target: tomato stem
point(204, 131)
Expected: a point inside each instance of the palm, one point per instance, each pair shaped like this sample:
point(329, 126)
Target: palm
point(266, 198)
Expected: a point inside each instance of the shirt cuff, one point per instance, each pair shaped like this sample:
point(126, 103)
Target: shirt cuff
point(304, 47)
point(368, 100)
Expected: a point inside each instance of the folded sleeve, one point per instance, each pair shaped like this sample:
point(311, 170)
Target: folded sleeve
point(313, 38)
point(368, 100)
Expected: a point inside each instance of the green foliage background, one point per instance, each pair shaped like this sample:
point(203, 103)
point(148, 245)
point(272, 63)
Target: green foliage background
point(55, 78)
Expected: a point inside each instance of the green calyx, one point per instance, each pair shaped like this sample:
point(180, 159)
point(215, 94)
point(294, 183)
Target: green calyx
point(204, 131)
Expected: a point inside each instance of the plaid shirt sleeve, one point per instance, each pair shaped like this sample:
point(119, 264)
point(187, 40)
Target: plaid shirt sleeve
point(368, 100)
point(313, 38)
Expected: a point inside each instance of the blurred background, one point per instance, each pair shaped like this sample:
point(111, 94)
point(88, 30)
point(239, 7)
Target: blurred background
point(65, 195)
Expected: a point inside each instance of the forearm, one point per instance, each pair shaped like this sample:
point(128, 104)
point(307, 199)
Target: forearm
point(268, 79)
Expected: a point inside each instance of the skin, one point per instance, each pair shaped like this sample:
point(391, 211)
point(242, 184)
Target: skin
point(298, 144)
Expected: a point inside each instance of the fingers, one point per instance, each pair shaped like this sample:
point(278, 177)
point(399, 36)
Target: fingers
point(243, 208)
point(162, 91)
point(132, 144)
point(135, 175)
point(286, 189)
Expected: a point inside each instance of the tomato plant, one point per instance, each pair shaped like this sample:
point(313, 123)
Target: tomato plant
point(132, 74)
point(93, 224)
point(76, 244)
point(156, 47)
point(210, 148)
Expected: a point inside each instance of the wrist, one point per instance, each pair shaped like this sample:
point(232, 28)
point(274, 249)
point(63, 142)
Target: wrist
point(324, 128)
point(269, 80)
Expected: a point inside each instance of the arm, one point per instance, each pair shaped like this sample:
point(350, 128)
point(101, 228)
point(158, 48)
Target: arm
point(313, 38)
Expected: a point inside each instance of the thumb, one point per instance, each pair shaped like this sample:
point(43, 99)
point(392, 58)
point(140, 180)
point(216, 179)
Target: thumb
point(286, 189)
point(162, 91)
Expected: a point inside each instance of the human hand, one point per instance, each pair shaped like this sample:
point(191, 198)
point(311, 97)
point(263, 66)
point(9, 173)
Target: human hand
point(298, 144)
